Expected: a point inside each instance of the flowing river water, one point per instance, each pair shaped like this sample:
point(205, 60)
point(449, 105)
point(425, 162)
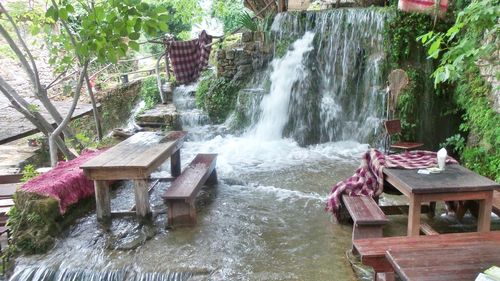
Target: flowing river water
point(265, 220)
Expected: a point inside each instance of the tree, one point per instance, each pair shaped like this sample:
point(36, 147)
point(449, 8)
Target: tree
point(97, 30)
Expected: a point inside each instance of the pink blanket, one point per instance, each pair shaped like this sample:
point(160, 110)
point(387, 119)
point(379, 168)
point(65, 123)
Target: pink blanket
point(368, 180)
point(66, 183)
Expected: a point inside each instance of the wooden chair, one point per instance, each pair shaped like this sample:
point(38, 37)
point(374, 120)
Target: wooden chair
point(393, 127)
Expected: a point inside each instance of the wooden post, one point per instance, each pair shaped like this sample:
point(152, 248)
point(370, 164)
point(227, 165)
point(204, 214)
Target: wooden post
point(484, 216)
point(102, 200)
point(141, 198)
point(181, 213)
point(175, 163)
point(414, 216)
point(212, 179)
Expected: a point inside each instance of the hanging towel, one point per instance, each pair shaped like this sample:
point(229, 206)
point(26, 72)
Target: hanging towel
point(368, 180)
point(189, 58)
point(423, 6)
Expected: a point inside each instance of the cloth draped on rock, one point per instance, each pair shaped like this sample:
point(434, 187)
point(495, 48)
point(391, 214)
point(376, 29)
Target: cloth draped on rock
point(368, 180)
point(66, 183)
point(189, 58)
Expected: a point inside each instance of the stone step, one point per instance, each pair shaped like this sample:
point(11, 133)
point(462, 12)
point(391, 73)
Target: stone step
point(162, 115)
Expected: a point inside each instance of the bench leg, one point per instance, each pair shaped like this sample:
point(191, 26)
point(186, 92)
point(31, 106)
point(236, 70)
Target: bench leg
point(103, 202)
point(212, 179)
point(181, 213)
point(142, 198)
point(175, 164)
point(364, 231)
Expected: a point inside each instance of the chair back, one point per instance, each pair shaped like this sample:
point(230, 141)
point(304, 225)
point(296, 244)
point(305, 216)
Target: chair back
point(393, 126)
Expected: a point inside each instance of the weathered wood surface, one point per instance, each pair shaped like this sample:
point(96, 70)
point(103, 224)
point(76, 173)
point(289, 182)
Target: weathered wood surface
point(7, 190)
point(141, 198)
point(10, 175)
point(455, 178)
point(180, 197)
point(188, 184)
point(364, 210)
point(134, 158)
point(455, 263)
point(368, 218)
point(14, 126)
point(496, 202)
point(103, 201)
point(428, 230)
point(372, 250)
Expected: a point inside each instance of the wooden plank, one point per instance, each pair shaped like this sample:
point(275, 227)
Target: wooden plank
point(11, 176)
point(455, 178)
point(428, 230)
point(484, 214)
point(103, 201)
point(124, 152)
point(187, 185)
point(142, 207)
point(364, 210)
point(450, 263)
point(413, 228)
point(8, 190)
point(376, 247)
point(14, 126)
point(385, 276)
point(496, 202)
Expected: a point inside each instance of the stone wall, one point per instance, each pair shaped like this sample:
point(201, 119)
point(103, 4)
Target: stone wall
point(248, 55)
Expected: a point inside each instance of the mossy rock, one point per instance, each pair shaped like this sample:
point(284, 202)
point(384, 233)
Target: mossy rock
point(35, 221)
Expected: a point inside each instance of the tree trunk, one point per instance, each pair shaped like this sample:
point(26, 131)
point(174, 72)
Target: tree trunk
point(95, 111)
point(54, 135)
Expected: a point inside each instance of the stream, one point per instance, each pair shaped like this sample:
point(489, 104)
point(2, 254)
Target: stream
point(265, 220)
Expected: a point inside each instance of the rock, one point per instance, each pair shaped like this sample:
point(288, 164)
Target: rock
point(221, 54)
point(162, 115)
point(247, 37)
point(230, 54)
point(245, 69)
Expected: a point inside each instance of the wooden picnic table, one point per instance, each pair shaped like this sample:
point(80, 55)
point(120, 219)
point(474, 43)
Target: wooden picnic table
point(133, 159)
point(436, 257)
point(455, 263)
point(453, 184)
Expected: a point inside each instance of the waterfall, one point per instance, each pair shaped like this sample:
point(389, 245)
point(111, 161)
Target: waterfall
point(334, 91)
point(286, 72)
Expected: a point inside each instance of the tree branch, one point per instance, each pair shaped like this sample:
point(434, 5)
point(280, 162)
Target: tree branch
point(23, 44)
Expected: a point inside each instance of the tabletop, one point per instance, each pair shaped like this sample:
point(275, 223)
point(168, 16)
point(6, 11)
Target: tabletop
point(454, 178)
point(138, 154)
point(462, 262)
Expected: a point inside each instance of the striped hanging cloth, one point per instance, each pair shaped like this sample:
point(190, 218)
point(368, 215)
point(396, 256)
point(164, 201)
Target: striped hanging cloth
point(424, 6)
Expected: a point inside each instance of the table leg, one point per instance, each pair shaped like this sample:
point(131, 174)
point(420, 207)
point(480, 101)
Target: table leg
point(414, 215)
point(102, 200)
point(484, 216)
point(141, 198)
point(175, 164)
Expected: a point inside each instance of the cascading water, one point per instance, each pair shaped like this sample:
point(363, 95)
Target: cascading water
point(265, 219)
point(339, 94)
point(287, 71)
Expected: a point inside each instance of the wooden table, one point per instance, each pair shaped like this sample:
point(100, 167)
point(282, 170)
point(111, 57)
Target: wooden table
point(133, 159)
point(455, 263)
point(455, 183)
point(443, 250)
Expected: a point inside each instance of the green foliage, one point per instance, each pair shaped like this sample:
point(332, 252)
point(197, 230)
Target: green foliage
point(226, 11)
point(400, 32)
point(482, 153)
point(245, 20)
point(472, 37)
point(149, 92)
point(406, 105)
point(29, 172)
point(456, 143)
point(281, 47)
point(105, 30)
point(217, 96)
point(6, 52)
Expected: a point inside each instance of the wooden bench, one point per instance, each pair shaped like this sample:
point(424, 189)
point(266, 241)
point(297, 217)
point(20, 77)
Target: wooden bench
point(373, 250)
point(180, 197)
point(368, 218)
point(496, 202)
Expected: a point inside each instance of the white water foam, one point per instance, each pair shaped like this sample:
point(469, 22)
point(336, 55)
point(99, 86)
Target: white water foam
point(286, 72)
